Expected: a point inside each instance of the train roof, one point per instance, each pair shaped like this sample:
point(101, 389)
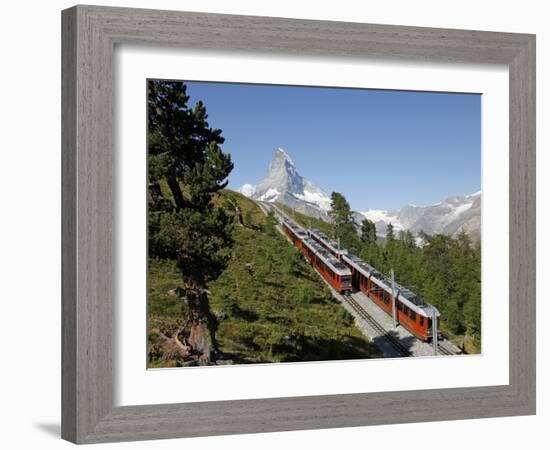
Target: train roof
point(363, 267)
point(404, 295)
point(337, 266)
point(330, 243)
point(296, 228)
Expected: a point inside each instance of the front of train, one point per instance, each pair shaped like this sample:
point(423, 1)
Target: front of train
point(345, 284)
point(431, 314)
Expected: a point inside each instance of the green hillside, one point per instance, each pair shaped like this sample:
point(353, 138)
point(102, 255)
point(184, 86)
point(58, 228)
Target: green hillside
point(270, 304)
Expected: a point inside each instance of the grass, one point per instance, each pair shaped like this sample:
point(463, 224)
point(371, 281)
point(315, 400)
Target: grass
point(270, 304)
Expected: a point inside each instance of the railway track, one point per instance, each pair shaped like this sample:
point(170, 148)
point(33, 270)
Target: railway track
point(442, 348)
point(394, 342)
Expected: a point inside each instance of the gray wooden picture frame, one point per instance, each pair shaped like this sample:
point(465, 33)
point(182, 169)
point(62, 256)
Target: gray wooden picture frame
point(90, 34)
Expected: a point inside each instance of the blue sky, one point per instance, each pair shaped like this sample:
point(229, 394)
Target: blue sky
point(381, 149)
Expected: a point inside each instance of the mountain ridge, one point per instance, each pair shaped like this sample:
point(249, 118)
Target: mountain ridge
point(283, 183)
point(450, 216)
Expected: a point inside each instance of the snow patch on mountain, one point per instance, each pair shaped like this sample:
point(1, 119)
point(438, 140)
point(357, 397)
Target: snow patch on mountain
point(247, 190)
point(378, 215)
point(271, 195)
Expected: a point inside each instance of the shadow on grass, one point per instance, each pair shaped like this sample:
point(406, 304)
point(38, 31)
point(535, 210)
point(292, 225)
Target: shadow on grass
point(307, 348)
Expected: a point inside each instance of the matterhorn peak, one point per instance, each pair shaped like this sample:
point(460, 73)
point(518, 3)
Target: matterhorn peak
point(281, 153)
point(284, 184)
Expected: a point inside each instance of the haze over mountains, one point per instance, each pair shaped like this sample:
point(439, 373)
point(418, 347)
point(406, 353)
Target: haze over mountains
point(284, 184)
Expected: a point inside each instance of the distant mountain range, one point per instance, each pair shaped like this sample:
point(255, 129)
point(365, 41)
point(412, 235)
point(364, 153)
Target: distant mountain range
point(448, 217)
point(284, 184)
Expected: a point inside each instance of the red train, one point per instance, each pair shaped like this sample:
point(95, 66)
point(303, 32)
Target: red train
point(334, 271)
point(412, 311)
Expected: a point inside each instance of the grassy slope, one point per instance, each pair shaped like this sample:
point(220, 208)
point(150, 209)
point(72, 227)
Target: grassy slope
point(272, 306)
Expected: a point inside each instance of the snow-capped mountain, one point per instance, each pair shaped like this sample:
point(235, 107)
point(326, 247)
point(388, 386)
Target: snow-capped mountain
point(284, 184)
point(449, 217)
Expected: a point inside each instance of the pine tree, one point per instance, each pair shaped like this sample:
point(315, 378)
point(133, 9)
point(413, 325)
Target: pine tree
point(343, 223)
point(368, 232)
point(390, 235)
point(340, 210)
point(184, 225)
point(408, 240)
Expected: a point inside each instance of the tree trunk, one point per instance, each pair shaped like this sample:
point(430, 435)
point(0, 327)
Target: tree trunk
point(239, 215)
point(199, 330)
point(176, 191)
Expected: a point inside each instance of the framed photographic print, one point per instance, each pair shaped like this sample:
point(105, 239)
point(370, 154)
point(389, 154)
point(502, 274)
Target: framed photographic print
point(335, 219)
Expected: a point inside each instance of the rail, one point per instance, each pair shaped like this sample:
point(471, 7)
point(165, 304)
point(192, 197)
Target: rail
point(444, 350)
point(393, 341)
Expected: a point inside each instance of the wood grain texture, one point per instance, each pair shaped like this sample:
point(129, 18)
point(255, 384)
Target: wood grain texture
point(68, 226)
point(89, 36)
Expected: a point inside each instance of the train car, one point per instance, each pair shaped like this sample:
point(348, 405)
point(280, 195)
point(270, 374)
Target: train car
point(411, 310)
point(331, 245)
point(337, 274)
point(294, 232)
point(334, 271)
point(416, 314)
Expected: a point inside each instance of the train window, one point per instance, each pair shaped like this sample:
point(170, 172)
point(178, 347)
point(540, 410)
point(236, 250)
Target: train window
point(413, 315)
point(421, 321)
point(406, 309)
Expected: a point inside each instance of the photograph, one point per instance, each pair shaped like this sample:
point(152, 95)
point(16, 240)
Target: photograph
point(290, 224)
